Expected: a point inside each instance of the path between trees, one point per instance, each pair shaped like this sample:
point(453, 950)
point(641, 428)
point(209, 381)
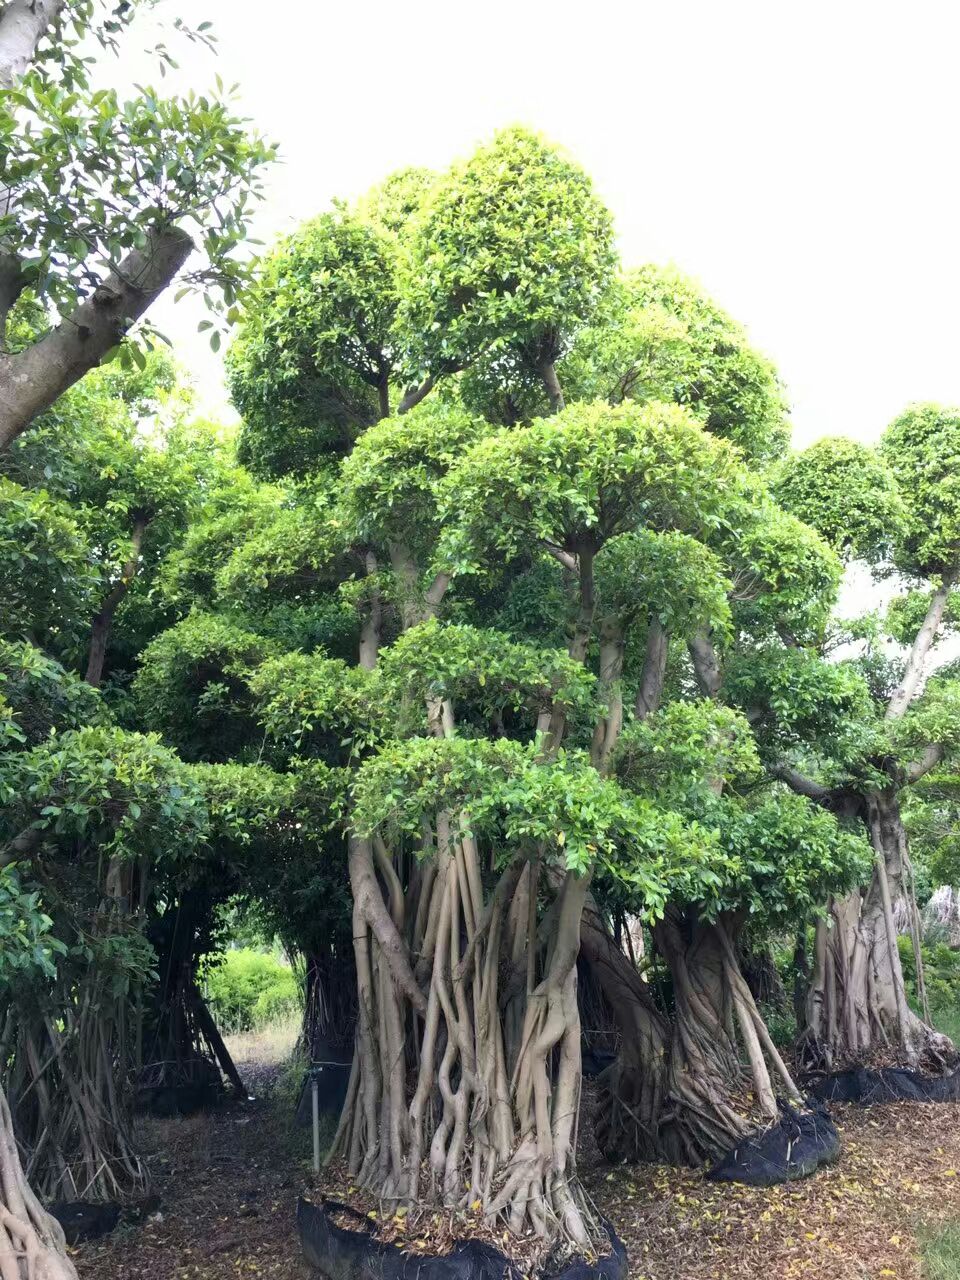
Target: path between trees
point(229, 1183)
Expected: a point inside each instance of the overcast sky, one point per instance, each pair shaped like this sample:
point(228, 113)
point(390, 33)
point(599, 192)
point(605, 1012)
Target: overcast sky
point(801, 160)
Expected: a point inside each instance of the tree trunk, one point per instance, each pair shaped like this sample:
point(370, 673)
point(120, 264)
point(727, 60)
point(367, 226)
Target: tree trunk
point(724, 1071)
point(654, 669)
point(103, 620)
point(611, 672)
point(32, 379)
point(760, 973)
point(32, 1246)
point(436, 1113)
point(630, 1120)
point(65, 1089)
point(548, 376)
point(857, 1011)
point(330, 1005)
point(23, 24)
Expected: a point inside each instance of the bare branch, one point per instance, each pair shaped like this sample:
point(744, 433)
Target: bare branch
point(416, 394)
point(566, 558)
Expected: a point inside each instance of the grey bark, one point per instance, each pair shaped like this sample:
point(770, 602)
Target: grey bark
point(654, 669)
point(905, 691)
point(706, 664)
point(32, 379)
point(23, 23)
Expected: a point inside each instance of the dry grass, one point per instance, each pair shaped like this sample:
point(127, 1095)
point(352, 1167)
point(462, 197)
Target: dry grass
point(267, 1046)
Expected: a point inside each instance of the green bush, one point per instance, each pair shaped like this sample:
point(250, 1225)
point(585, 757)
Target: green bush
point(248, 989)
point(941, 971)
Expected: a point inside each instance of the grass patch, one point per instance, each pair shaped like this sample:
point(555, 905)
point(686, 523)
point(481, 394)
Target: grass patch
point(271, 1043)
point(940, 1252)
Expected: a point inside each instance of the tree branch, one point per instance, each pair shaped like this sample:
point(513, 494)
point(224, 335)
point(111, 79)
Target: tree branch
point(23, 24)
point(415, 394)
point(928, 759)
point(21, 846)
point(908, 686)
point(801, 784)
point(103, 620)
point(32, 379)
point(566, 558)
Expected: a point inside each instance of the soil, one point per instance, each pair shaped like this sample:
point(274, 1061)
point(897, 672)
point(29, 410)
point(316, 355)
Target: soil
point(229, 1180)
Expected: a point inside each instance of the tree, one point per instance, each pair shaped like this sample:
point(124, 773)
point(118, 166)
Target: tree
point(621, 528)
point(99, 246)
point(119, 453)
point(493, 758)
point(857, 1006)
point(87, 808)
point(508, 258)
point(773, 859)
point(313, 363)
point(31, 1241)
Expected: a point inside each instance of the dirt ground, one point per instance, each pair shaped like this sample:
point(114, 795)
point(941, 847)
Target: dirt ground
point(228, 1184)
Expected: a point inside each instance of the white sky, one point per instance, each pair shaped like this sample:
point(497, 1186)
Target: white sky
point(800, 159)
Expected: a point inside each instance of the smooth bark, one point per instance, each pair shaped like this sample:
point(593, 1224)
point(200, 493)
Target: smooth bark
point(923, 642)
point(32, 379)
point(23, 24)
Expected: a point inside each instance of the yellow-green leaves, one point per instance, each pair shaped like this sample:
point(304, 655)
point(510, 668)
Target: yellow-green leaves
point(846, 492)
point(391, 482)
point(511, 251)
point(657, 335)
point(317, 344)
point(585, 475)
point(922, 449)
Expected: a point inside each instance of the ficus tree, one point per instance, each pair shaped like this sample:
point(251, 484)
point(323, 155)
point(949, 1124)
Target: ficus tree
point(718, 1075)
point(489, 718)
point(88, 808)
point(895, 731)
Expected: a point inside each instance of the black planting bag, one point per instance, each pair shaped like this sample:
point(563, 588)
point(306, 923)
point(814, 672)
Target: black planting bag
point(795, 1147)
point(342, 1254)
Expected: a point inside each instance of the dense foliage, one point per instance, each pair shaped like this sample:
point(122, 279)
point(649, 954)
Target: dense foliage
point(502, 626)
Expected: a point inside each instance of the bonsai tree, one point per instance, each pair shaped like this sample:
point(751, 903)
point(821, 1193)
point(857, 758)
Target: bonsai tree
point(566, 485)
point(898, 508)
point(775, 859)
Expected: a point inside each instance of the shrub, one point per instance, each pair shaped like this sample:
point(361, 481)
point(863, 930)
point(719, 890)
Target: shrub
point(941, 971)
point(248, 989)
